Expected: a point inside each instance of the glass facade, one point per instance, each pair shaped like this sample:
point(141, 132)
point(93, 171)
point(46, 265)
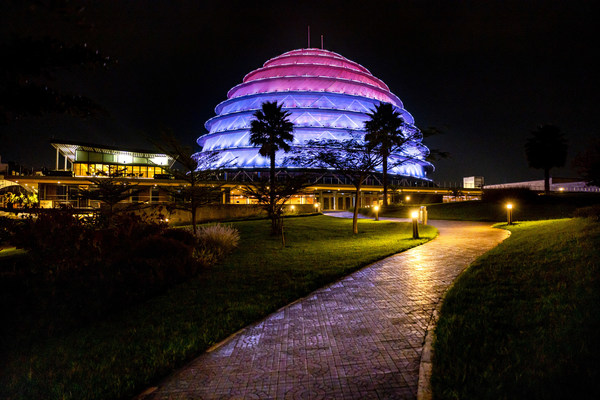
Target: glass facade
point(327, 95)
point(130, 171)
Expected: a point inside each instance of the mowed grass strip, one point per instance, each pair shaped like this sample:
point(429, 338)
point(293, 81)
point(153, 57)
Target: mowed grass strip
point(523, 322)
point(123, 354)
point(535, 208)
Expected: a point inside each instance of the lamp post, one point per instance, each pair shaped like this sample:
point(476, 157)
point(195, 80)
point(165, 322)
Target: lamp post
point(415, 220)
point(407, 199)
point(376, 208)
point(317, 207)
point(509, 207)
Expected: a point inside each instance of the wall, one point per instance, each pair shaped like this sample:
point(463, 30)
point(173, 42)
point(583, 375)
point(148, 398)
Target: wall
point(219, 212)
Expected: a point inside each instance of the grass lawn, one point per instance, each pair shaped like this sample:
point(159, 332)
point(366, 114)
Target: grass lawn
point(543, 207)
point(523, 322)
point(120, 356)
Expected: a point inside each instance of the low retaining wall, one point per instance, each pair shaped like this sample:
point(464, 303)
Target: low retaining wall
point(219, 212)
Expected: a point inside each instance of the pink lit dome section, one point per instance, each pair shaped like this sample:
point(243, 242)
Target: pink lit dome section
point(327, 96)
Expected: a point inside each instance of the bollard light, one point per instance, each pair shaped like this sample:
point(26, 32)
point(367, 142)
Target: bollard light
point(376, 208)
point(415, 220)
point(317, 207)
point(407, 198)
point(509, 207)
point(293, 208)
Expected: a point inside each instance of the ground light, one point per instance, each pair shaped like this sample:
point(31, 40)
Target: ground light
point(509, 207)
point(376, 208)
point(415, 220)
point(317, 207)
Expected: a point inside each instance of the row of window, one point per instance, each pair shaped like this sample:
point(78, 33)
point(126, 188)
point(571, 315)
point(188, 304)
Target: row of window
point(132, 171)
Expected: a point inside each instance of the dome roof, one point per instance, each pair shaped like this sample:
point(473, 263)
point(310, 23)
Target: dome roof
point(327, 96)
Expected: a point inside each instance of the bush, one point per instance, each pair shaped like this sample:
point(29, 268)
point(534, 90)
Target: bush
point(218, 239)
point(182, 235)
point(74, 272)
point(592, 212)
point(7, 226)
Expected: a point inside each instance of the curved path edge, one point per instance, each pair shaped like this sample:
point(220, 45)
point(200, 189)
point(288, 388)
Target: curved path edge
point(366, 336)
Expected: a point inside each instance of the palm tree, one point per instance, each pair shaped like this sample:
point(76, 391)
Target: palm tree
point(271, 130)
point(546, 148)
point(385, 135)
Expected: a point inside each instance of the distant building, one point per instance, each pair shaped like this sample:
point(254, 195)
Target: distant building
point(473, 182)
point(556, 185)
point(78, 162)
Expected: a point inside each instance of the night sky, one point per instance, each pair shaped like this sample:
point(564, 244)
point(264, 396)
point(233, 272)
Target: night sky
point(484, 72)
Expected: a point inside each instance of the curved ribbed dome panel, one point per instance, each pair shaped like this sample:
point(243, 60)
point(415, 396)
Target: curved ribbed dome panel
point(328, 97)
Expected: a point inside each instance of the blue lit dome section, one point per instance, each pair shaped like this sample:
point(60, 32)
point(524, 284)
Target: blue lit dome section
point(328, 97)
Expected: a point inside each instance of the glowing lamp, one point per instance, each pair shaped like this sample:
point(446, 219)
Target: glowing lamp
point(415, 221)
point(509, 207)
point(407, 198)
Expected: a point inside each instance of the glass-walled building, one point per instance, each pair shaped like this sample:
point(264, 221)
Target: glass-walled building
point(89, 160)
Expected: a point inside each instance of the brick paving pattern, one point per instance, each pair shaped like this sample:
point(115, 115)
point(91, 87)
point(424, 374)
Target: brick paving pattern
point(359, 338)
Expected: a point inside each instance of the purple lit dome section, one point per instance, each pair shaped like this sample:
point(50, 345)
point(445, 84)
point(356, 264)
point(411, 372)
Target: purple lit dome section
point(328, 97)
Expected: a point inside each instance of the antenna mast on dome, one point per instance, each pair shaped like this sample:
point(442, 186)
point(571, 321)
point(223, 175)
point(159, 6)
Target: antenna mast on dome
point(321, 42)
point(308, 37)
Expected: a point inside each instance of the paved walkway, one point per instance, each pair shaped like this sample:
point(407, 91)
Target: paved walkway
point(360, 338)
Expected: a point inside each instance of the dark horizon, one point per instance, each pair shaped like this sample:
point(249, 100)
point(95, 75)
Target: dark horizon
point(485, 73)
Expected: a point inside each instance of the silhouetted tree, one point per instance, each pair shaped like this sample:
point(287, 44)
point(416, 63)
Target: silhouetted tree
point(587, 163)
point(110, 191)
point(352, 158)
point(273, 196)
point(434, 154)
point(272, 131)
point(385, 135)
point(546, 148)
point(199, 169)
point(28, 64)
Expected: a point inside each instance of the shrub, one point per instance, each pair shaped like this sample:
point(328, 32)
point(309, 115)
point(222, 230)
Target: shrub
point(7, 226)
point(182, 235)
point(592, 212)
point(218, 239)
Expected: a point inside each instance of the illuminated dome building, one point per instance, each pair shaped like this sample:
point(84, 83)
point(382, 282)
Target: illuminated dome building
point(327, 95)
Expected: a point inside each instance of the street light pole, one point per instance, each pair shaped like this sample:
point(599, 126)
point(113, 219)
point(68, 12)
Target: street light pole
point(415, 217)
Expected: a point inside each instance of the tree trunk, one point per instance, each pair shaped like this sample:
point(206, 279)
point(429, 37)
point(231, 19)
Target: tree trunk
point(385, 185)
point(275, 224)
point(547, 180)
point(193, 202)
point(355, 216)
